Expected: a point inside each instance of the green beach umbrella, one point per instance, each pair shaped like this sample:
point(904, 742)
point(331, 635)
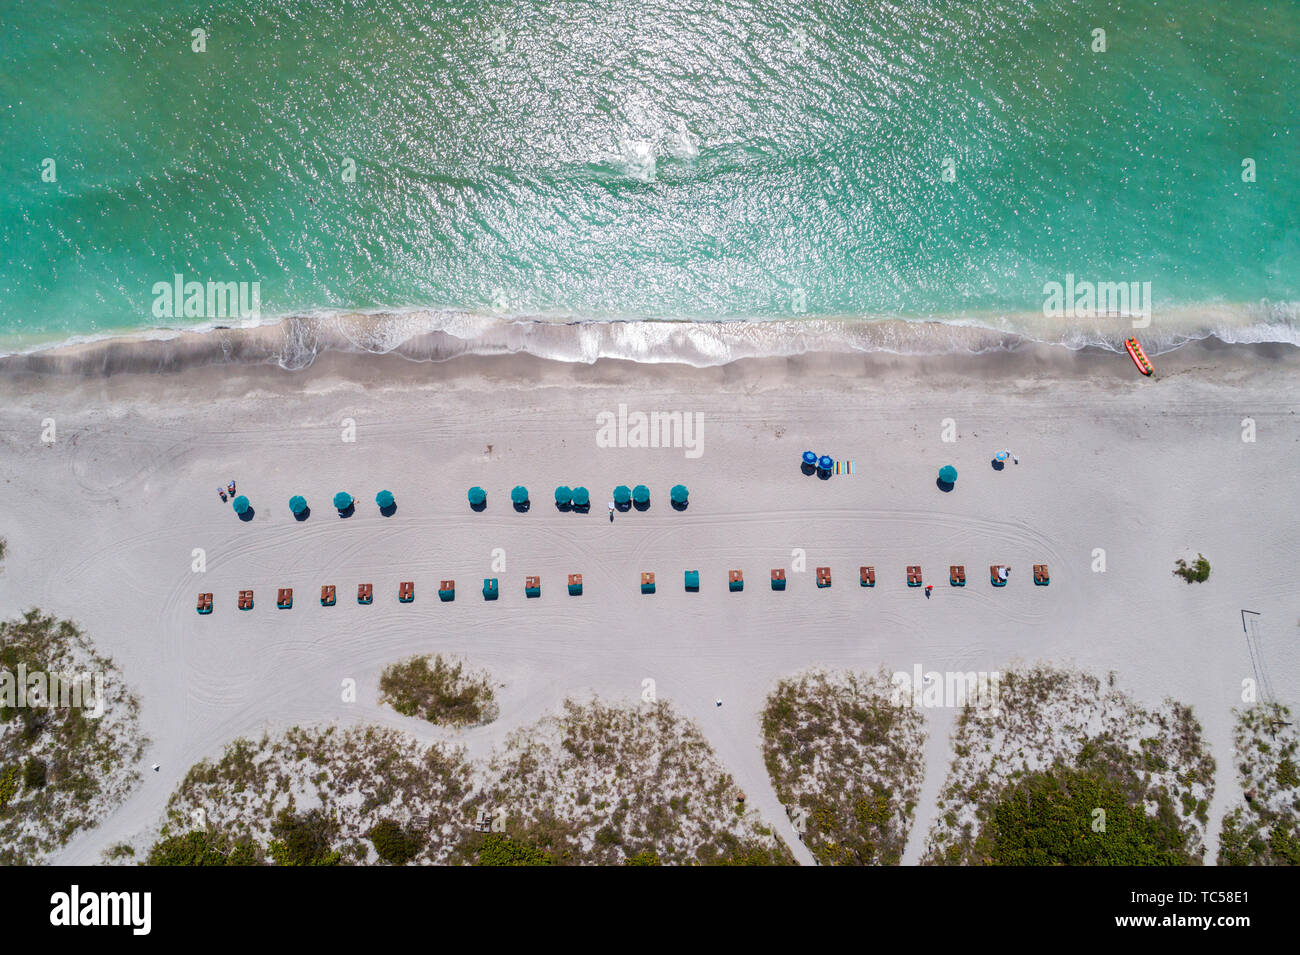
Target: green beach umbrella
point(641, 494)
point(342, 500)
point(622, 494)
point(680, 494)
point(477, 496)
point(385, 500)
point(297, 504)
point(580, 497)
point(241, 505)
point(948, 474)
point(563, 495)
point(519, 494)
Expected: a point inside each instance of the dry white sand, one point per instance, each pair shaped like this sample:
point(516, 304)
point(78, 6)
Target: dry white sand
point(103, 522)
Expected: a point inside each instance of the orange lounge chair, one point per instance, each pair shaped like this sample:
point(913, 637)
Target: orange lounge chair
point(575, 585)
point(778, 578)
point(647, 582)
point(205, 603)
point(284, 598)
point(245, 600)
point(867, 576)
point(1041, 577)
point(327, 595)
point(823, 576)
point(994, 578)
point(957, 575)
point(365, 593)
point(447, 590)
point(406, 591)
point(735, 581)
point(532, 586)
point(914, 575)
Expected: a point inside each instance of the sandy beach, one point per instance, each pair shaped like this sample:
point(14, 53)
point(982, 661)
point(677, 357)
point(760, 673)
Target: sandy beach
point(103, 524)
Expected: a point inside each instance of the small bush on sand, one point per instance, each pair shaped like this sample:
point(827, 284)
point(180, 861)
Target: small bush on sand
point(394, 844)
point(439, 691)
point(1195, 573)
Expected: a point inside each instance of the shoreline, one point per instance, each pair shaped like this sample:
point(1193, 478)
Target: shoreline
point(426, 336)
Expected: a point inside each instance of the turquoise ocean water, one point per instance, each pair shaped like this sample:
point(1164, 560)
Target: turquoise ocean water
point(698, 160)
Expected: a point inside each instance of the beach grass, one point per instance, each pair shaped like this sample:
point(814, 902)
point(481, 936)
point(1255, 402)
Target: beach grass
point(1068, 770)
point(438, 690)
point(1264, 828)
point(62, 767)
point(847, 762)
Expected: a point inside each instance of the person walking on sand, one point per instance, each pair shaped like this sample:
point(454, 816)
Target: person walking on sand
point(231, 487)
point(222, 492)
point(928, 588)
point(611, 512)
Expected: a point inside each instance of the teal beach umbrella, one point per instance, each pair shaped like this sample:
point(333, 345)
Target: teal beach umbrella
point(641, 494)
point(680, 494)
point(948, 474)
point(241, 505)
point(580, 497)
point(563, 495)
point(297, 504)
point(477, 496)
point(384, 499)
point(342, 500)
point(622, 494)
point(519, 494)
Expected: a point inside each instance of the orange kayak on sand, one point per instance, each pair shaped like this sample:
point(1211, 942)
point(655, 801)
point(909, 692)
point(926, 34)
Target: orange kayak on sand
point(1139, 357)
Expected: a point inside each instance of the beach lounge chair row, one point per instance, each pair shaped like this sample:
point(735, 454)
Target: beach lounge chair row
point(405, 593)
point(866, 577)
point(998, 576)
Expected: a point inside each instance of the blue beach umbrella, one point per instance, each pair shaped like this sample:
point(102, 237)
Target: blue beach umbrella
point(477, 496)
point(342, 500)
point(948, 474)
point(240, 505)
point(810, 459)
point(384, 499)
point(825, 462)
point(297, 504)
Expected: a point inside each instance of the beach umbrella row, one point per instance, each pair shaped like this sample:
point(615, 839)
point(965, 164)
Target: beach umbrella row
point(814, 463)
point(298, 504)
point(566, 496)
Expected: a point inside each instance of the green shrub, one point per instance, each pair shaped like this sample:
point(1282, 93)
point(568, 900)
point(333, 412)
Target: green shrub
point(1196, 573)
point(197, 847)
point(502, 850)
point(394, 844)
point(305, 839)
point(34, 773)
